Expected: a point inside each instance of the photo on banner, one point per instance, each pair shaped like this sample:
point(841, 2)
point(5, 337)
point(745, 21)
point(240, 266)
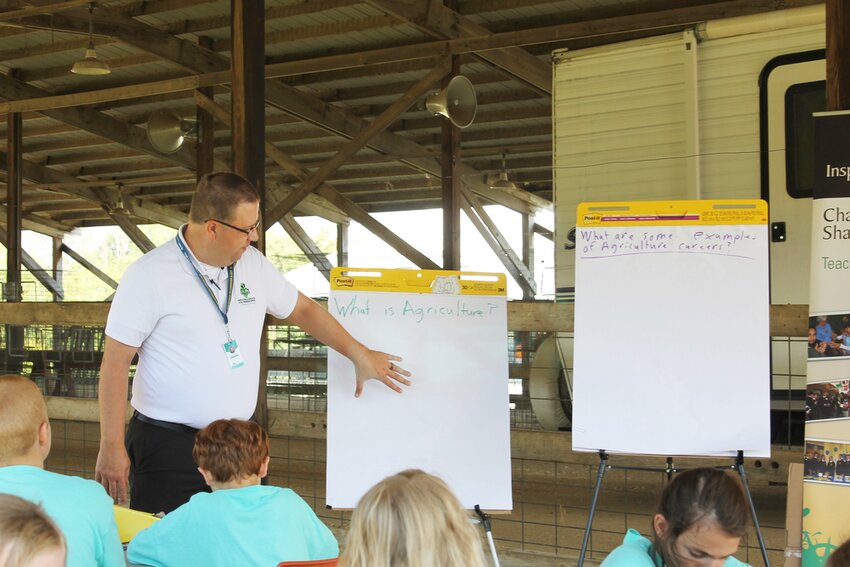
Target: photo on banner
point(826, 498)
point(829, 335)
point(828, 400)
point(827, 461)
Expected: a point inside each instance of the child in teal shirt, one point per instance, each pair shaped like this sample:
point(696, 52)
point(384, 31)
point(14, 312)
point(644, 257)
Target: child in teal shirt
point(81, 508)
point(240, 522)
point(699, 523)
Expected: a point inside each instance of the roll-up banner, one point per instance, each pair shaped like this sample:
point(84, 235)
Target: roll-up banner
point(826, 474)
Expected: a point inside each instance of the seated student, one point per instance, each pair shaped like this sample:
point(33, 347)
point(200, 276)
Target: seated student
point(240, 522)
point(699, 522)
point(81, 508)
point(28, 538)
point(411, 519)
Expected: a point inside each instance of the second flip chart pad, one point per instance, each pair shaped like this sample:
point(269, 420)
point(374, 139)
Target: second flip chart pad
point(672, 341)
point(451, 330)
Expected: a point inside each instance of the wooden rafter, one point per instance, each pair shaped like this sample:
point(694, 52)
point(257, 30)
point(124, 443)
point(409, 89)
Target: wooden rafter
point(39, 273)
point(362, 138)
point(68, 184)
point(330, 194)
point(40, 224)
point(435, 18)
point(307, 245)
point(92, 121)
point(493, 236)
point(101, 275)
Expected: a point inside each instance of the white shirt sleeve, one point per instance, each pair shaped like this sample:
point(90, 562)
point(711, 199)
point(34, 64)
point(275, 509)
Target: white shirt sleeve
point(135, 308)
point(282, 295)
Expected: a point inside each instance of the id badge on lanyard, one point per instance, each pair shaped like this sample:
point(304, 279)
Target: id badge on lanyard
point(230, 346)
point(234, 356)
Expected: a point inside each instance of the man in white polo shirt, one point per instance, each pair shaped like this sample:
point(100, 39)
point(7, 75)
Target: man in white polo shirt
point(193, 310)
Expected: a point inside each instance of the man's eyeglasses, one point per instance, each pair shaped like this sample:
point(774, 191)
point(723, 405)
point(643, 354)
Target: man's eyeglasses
point(246, 231)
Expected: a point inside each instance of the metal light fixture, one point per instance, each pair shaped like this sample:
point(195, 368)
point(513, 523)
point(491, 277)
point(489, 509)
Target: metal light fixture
point(167, 130)
point(503, 182)
point(90, 64)
point(119, 208)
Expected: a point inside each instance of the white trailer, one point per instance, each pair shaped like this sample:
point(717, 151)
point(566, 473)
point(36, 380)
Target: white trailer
point(719, 111)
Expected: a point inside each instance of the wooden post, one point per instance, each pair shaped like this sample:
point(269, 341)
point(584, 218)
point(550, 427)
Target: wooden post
point(14, 197)
point(528, 249)
point(341, 244)
point(57, 264)
point(837, 60)
point(248, 106)
point(450, 137)
point(206, 126)
point(248, 131)
point(14, 253)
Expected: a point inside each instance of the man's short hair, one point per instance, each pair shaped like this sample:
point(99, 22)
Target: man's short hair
point(218, 194)
point(231, 449)
point(22, 411)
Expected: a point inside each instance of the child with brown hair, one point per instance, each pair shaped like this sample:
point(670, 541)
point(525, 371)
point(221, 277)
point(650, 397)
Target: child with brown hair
point(699, 523)
point(240, 522)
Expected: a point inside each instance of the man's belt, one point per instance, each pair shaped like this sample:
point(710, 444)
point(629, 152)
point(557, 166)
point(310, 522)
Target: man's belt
point(171, 426)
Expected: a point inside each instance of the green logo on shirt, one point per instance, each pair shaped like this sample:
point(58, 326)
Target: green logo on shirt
point(246, 298)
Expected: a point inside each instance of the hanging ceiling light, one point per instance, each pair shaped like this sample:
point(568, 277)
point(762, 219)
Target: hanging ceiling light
point(90, 64)
point(119, 208)
point(503, 182)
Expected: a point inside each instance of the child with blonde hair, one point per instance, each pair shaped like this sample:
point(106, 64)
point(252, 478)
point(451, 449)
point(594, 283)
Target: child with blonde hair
point(28, 538)
point(411, 519)
point(81, 508)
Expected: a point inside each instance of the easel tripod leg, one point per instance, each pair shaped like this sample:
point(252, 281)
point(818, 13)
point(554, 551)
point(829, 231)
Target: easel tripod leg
point(603, 464)
point(739, 466)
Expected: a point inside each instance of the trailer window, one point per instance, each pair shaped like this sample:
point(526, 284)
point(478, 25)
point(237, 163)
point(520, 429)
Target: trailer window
point(801, 100)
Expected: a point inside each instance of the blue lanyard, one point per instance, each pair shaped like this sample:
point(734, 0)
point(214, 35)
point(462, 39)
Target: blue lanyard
point(207, 287)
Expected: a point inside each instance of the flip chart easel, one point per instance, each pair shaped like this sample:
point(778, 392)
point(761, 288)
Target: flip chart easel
point(450, 328)
point(737, 466)
point(678, 291)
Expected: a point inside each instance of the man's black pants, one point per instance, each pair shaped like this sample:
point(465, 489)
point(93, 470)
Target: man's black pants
point(163, 474)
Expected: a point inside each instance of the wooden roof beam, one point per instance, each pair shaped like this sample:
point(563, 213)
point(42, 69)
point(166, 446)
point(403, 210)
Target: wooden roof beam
point(435, 18)
point(330, 194)
point(63, 183)
point(92, 121)
point(276, 192)
point(89, 266)
point(39, 224)
point(289, 99)
point(378, 125)
point(307, 245)
point(132, 231)
point(491, 233)
point(39, 273)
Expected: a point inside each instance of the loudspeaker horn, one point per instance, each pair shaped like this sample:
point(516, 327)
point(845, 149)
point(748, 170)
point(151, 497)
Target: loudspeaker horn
point(456, 102)
point(167, 130)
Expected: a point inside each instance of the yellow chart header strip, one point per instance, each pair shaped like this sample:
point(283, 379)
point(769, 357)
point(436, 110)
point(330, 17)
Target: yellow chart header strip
point(419, 281)
point(671, 213)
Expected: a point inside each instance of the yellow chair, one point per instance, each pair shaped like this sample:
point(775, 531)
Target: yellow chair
point(318, 563)
point(131, 522)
